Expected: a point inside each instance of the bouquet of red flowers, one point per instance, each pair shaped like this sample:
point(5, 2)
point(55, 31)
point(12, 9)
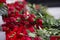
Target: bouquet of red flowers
point(20, 24)
point(28, 23)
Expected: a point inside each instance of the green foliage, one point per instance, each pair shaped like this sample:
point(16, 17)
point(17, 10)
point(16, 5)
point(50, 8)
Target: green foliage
point(46, 33)
point(50, 24)
point(48, 20)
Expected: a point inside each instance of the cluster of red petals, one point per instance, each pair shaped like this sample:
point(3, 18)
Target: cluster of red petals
point(2, 1)
point(17, 24)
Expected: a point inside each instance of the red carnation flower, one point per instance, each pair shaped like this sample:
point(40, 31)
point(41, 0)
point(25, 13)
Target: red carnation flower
point(31, 28)
point(6, 19)
point(33, 15)
point(39, 23)
point(15, 29)
point(27, 38)
point(30, 19)
point(26, 22)
point(13, 19)
point(17, 14)
point(6, 29)
point(18, 6)
point(11, 8)
point(22, 29)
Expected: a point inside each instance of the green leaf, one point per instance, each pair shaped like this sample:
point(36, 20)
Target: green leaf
point(32, 34)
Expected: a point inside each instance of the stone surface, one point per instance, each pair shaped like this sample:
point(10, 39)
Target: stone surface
point(2, 35)
point(54, 11)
